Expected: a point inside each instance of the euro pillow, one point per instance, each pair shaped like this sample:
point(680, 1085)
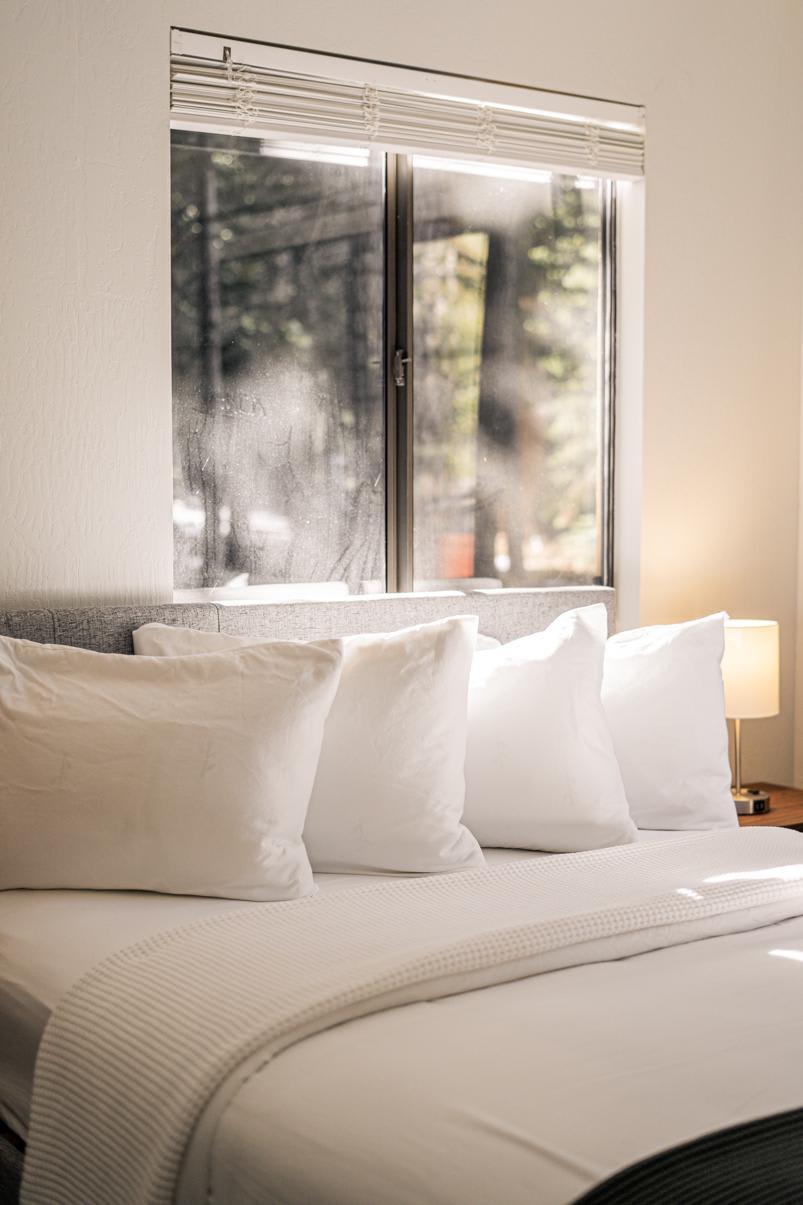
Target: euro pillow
point(389, 791)
point(664, 699)
point(189, 776)
point(541, 772)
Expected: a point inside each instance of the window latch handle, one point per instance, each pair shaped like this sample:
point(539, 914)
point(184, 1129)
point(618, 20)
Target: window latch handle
point(400, 359)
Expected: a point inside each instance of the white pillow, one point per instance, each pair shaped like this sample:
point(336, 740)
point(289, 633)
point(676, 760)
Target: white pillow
point(540, 767)
point(189, 776)
point(663, 696)
point(390, 786)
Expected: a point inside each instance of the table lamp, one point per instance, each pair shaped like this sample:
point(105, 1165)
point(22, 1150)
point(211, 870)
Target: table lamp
point(750, 670)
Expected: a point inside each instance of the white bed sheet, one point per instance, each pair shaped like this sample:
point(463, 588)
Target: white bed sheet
point(593, 1068)
point(528, 1093)
point(49, 939)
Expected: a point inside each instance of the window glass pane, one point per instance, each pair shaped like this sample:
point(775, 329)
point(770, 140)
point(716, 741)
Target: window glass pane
point(508, 401)
point(277, 365)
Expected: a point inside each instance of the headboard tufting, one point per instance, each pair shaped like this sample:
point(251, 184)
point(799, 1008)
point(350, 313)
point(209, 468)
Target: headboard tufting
point(505, 614)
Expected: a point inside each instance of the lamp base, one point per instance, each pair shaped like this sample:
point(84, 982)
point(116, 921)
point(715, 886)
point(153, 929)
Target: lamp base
point(749, 802)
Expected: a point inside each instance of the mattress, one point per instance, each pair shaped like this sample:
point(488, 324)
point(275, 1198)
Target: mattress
point(48, 939)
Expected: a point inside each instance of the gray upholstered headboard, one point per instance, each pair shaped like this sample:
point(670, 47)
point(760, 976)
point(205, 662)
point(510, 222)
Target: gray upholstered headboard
point(505, 614)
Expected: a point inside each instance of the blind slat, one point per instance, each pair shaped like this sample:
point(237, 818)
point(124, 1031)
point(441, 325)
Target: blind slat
point(253, 99)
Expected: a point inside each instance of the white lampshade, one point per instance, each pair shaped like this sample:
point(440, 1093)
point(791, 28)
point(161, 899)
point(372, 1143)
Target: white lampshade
point(750, 668)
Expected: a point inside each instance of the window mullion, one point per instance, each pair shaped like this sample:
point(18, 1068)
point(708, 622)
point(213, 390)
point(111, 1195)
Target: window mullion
point(399, 372)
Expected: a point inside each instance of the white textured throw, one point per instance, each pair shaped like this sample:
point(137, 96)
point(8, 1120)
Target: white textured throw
point(137, 1048)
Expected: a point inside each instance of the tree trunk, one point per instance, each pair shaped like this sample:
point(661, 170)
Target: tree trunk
point(499, 404)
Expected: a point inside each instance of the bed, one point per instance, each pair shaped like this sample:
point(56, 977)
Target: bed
point(522, 1032)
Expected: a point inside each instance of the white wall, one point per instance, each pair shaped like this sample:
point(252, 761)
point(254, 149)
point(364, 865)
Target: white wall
point(798, 714)
point(85, 473)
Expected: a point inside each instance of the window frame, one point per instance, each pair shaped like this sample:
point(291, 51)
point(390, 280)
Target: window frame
point(399, 400)
point(612, 135)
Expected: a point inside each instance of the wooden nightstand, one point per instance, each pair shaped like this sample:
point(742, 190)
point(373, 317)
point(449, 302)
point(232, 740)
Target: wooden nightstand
point(786, 807)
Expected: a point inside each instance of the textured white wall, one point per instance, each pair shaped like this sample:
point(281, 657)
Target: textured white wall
point(85, 474)
point(85, 445)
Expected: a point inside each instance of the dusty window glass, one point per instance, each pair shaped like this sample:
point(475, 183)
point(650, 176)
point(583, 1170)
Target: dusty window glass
point(508, 345)
point(277, 275)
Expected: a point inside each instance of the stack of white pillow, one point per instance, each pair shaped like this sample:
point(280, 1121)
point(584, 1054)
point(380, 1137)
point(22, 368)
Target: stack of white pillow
point(216, 765)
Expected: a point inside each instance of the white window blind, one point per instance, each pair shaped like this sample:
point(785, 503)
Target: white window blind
point(246, 87)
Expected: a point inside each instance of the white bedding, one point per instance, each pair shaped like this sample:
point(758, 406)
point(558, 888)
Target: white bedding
point(590, 1069)
point(48, 939)
point(533, 1090)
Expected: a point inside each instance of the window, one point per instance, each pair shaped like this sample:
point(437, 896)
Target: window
point(510, 327)
point(278, 414)
point(392, 368)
